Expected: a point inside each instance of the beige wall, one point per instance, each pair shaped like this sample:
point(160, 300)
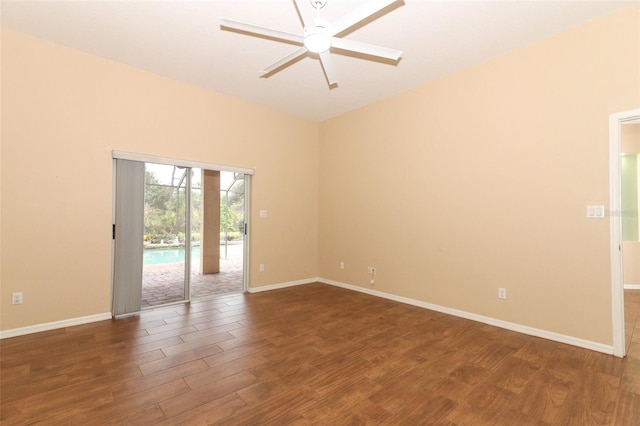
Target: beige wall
point(480, 180)
point(63, 112)
point(469, 183)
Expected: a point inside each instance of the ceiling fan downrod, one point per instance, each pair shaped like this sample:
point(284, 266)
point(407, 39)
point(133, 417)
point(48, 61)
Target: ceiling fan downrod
point(316, 39)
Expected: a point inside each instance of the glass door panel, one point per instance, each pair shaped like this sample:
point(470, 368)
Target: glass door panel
point(165, 209)
point(219, 258)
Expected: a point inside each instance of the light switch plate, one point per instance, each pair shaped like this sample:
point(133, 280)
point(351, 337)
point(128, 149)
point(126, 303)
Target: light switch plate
point(595, 212)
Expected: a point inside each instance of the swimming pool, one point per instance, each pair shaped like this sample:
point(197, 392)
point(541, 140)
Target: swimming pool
point(161, 256)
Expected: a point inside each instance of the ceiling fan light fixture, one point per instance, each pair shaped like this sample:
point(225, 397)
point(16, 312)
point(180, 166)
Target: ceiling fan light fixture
point(317, 41)
point(319, 36)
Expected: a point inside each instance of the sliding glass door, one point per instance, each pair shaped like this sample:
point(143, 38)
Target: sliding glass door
point(180, 233)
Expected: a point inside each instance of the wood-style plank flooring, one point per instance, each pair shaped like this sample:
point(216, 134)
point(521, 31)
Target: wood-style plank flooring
point(312, 354)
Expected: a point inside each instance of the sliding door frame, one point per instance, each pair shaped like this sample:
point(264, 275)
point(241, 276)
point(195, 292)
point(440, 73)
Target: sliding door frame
point(187, 236)
point(145, 158)
point(247, 237)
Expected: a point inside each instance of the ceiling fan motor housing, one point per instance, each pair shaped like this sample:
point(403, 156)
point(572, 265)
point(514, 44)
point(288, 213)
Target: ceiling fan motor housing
point(317, 39)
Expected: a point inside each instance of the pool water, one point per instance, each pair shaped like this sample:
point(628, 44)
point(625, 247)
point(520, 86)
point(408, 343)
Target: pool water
point(161, 256)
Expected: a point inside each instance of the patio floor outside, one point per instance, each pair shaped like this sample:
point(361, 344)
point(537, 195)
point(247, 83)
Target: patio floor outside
point(164, 283)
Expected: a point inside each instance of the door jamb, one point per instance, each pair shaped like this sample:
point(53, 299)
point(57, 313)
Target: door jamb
point(615, 223)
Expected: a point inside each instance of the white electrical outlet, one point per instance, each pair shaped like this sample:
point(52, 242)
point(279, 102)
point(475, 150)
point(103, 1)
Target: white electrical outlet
point(261, 267)
point(371, 270)
point(16, 298)
point(341, 265)
point(502, 293)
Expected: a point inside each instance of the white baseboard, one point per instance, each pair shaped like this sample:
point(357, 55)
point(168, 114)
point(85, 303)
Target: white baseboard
point(282, 285)
point(632, 286)
point(587, 344)
point(557, 337)
point(14, 332)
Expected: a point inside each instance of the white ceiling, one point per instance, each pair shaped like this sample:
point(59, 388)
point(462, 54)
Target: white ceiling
point(182, 40)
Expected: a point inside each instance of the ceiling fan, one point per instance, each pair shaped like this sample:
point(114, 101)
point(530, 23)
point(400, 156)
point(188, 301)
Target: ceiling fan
point(320, 36)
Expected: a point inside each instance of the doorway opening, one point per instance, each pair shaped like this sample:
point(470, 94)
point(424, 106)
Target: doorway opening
point(624, 146)
point(180, 232)
point(197, 214)
point(218, 261)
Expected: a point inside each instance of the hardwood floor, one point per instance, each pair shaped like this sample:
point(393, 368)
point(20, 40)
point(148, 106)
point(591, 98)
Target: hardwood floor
point(313, 354)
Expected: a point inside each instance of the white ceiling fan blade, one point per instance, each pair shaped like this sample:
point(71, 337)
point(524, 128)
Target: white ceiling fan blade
point(329, 69)
point(363, 12)
point(367, 49)
point(307, 12)
point(284, 61)
point(267, 32)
